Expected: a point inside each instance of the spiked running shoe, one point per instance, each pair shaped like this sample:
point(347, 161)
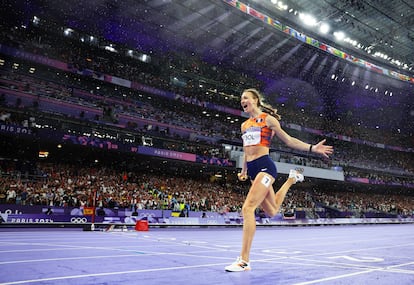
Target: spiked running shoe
point(238, 265)
point(296, 175)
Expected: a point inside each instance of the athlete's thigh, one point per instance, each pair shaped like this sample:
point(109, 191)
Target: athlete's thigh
point(260, 189)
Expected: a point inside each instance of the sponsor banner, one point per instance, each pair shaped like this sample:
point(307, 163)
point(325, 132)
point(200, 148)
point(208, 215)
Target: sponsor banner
point(121, 81)
point(223, 109)
point(46, 219)
point(125, 216)
point(90, 141)
point(152, 90)
point(57, 219)
point(166, 153)
point(309, 130)
point(398, 148)
point(215, 161)
point(294, 127)
point(86, 72)
point(15, 129)
point(33, 57)
point(344, 138)
point(222, 220)
point(358, 179)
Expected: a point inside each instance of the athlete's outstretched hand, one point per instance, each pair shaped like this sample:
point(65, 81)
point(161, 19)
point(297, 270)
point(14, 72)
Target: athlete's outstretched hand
point(321, 148)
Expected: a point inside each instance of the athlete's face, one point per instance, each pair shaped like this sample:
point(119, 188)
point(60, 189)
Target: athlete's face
point(248, 101)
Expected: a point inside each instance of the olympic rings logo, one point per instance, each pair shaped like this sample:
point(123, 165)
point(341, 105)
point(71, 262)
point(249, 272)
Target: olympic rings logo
point(300, 169)
point(78, 220)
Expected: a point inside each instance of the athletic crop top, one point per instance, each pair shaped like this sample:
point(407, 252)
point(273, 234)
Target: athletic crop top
point(255, 131)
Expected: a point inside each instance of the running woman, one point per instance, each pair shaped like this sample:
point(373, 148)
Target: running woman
point(258, 131)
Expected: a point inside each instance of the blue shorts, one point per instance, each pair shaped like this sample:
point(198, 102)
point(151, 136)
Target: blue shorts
point(261, 164)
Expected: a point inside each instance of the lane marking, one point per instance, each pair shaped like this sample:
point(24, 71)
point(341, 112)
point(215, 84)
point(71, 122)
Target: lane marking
point(38, 249)
point(358, 249)
point(336, 277)
point(359, 259)
point(281, 251)
point(403, 264)
point(354, 274)
point(68, 258)
point(110, 273)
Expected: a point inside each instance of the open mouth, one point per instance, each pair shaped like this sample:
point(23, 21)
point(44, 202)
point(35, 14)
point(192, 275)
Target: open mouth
point(244, 106)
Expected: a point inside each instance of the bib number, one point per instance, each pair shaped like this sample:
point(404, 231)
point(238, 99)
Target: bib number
point(251, 138)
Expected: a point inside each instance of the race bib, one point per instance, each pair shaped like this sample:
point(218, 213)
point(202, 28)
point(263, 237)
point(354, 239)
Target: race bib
point(251, 138)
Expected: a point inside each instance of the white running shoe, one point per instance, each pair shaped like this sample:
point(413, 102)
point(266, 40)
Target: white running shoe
point(238, 265)
point(295, 174)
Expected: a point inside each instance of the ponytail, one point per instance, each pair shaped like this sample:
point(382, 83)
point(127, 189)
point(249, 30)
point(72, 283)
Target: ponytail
point(270, 110)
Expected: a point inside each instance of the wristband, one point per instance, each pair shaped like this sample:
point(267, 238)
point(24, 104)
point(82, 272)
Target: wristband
point(310, 148)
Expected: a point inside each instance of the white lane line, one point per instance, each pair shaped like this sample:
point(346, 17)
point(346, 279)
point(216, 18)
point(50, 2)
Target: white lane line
point(386, 269)
point(390, 269)
point(335, 277)
point(196, 254)
point(395, 268)
point(402, 264)
point(38, 249)
point(357, 250)
point(110, 273)
point(286, 261)
point(67, 258)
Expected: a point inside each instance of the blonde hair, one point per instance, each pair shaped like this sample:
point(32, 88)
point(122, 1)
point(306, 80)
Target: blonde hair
point(267, 108)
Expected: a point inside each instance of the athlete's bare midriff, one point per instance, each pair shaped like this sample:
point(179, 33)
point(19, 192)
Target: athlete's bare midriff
point(253, 152)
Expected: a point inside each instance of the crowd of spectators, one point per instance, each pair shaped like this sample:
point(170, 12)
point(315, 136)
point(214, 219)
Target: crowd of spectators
point(360, 203)
point(364, 157)
point(182, 115)
point(71, 185)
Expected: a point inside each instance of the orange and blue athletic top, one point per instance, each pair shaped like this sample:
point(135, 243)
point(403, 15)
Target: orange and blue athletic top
point(256, 132)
